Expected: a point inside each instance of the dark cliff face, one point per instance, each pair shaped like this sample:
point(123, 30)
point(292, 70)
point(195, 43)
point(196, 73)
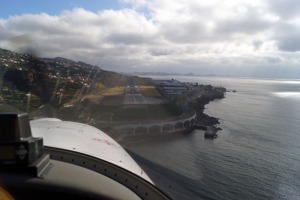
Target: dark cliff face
point(199, 104)
point(208, 95)
point(204, 119)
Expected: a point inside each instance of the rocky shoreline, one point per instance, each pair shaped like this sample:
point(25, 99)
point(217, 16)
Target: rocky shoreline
point(203, 99)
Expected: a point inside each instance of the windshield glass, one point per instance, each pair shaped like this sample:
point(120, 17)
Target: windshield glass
point(204, 95)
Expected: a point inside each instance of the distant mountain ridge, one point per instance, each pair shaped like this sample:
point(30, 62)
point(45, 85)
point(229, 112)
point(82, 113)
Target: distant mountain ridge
point(161, 74)
point(71, 62)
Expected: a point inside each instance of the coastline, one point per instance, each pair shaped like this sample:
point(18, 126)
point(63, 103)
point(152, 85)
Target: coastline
point(198, 106)
point(193, 105)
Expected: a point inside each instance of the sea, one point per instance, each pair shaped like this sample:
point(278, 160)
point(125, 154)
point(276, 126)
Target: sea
point(256, 154)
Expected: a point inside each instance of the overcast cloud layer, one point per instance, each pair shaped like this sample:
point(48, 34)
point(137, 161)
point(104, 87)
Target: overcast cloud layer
point(232, 37)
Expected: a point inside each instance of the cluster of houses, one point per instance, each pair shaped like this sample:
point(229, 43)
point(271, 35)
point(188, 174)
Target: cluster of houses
point(58, 71)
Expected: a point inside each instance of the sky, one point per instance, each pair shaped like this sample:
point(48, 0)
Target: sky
point(259, 38)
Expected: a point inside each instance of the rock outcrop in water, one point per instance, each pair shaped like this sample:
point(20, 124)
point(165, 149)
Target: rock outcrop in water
point(211, 132)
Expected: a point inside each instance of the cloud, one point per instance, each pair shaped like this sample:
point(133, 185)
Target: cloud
point(80, 30)
point(290, 43)
point(284, 9)
point(287, 36)
point(218, 36)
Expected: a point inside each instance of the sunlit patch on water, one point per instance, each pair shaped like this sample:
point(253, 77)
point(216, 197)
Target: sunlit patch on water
point(293, 95)
point(291, 82)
